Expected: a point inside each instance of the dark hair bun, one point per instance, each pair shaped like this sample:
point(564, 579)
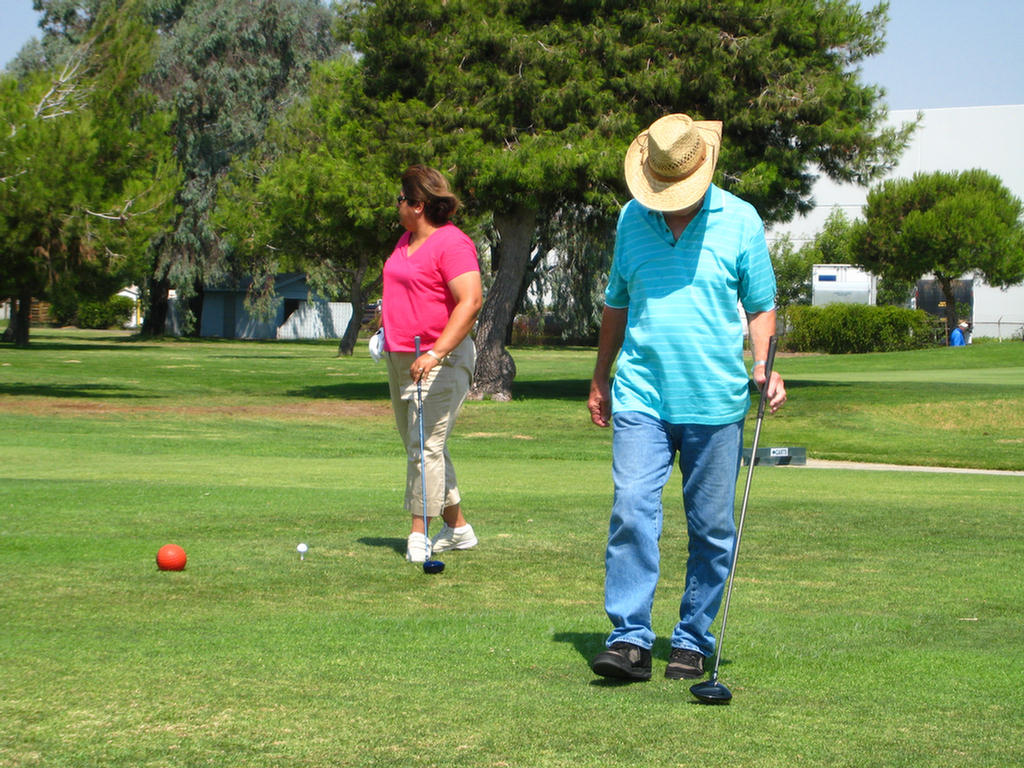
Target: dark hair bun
point(441, 208)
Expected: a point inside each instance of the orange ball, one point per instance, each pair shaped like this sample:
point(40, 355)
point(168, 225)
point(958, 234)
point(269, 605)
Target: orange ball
point(171, 557)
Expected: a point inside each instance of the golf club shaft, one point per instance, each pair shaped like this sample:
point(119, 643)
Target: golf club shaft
point(423, 462)
point(769, 362)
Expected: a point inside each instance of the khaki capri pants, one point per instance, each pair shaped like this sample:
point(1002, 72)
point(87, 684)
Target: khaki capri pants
point(444, 391)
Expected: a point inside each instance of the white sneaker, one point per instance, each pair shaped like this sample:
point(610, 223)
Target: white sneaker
point(454, 538)
point(417, 548)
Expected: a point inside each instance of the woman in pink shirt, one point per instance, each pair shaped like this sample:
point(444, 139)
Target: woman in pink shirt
point(431, 290)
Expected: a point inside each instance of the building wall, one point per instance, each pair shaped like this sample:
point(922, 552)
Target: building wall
point(998, 312)
point(225, 316)
point(317, 320)
point(956, 139)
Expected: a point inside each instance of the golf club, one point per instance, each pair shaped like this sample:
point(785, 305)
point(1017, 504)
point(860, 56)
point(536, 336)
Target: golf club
point(711, 691)
point(429, 566)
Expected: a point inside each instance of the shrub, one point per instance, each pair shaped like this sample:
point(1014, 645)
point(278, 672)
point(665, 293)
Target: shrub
point(122, 308)
point(533, 330)
point(116, 310)
point(844, 328)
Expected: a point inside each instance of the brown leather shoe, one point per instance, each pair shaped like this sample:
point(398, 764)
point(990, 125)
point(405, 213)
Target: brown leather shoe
point(684, 664)
point(623, 661)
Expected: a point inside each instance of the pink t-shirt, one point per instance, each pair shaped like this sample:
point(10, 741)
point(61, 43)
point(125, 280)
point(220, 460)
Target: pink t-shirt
point(417, 300)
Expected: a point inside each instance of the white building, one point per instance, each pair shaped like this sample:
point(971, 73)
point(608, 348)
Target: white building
point(957, 139)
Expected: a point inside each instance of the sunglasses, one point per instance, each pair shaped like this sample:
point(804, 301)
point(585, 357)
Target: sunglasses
point(403, 199)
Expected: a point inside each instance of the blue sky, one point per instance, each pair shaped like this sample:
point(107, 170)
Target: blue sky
point(940, 53)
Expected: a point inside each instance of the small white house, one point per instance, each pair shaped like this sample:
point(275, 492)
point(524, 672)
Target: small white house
point(132, 292)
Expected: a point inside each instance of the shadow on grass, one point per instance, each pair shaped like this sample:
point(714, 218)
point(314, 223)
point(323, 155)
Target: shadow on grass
point(551, 389)
point(573, 390)
point(113, 345)
point(350, 391)
point(567, 389)
point(398, 545)
point(801, 383)
point(67, 390)
point(589, 644)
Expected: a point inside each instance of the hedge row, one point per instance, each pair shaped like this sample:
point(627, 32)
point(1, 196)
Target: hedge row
point(842, 328)
point(115, 311)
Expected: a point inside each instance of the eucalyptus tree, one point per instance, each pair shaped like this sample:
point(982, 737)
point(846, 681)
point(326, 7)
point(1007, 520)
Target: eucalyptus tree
point(66, 24)
point(946, 223)
point(531, 104)
point(224, 68)
point(568, 270)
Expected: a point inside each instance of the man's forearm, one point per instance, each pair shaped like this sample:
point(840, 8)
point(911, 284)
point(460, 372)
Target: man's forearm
point(762, 327)
point(613, 331)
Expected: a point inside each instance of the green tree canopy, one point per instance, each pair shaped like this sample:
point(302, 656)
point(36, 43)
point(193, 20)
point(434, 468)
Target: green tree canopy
point(84, 171)
point(309, 199)
point(794, 266)
point(945, 223)
point(531, 105)
point(792, 273)
point(66, 24)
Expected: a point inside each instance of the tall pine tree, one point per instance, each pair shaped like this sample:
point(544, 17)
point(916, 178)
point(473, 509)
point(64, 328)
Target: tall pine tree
point(84, 171)
point(531, 105)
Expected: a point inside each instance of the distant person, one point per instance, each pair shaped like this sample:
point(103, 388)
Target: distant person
point(685, 252)
point(431, 290)
point(958, 338)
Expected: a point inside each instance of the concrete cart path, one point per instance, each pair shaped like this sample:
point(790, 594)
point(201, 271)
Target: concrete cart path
point(823, 464)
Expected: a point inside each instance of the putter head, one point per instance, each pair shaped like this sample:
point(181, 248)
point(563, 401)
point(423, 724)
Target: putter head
point(711, 692)
point(432, 566)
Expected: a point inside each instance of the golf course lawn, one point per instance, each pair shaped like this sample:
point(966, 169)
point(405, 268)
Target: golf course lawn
point(877, 619)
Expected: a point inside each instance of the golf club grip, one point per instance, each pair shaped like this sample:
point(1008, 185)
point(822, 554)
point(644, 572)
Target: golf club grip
point(769, 363)
point(416, 341)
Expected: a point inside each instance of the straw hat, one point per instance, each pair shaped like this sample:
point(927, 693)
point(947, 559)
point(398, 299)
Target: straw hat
point(669, 166)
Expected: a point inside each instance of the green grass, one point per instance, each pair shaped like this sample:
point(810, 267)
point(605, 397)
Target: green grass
point(877, 621)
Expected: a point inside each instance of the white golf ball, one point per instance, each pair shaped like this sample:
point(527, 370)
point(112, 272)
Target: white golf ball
point(302, 548)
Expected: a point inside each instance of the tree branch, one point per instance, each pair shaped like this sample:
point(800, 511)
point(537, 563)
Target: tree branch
point(60, 99)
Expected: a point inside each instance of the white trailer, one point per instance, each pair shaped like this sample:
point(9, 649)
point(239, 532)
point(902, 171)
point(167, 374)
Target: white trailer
point(842, 284)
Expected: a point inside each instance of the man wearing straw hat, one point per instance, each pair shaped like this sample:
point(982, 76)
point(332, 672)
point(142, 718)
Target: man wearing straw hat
point(687, 253)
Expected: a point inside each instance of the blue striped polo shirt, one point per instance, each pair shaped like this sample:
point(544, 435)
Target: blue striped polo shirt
point(682, 355)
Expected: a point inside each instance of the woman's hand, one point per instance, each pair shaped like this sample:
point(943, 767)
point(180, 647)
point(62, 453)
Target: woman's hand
point(422, 366)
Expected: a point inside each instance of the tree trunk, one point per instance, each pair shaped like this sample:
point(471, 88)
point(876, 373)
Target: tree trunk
point(347, 343)
point(357, 296)
point(947, 291)
point(21, 318)
point(195, 308)
point(155, 321)
point(495, 368)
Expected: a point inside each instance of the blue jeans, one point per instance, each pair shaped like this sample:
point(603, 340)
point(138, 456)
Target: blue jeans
point(643, 450)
